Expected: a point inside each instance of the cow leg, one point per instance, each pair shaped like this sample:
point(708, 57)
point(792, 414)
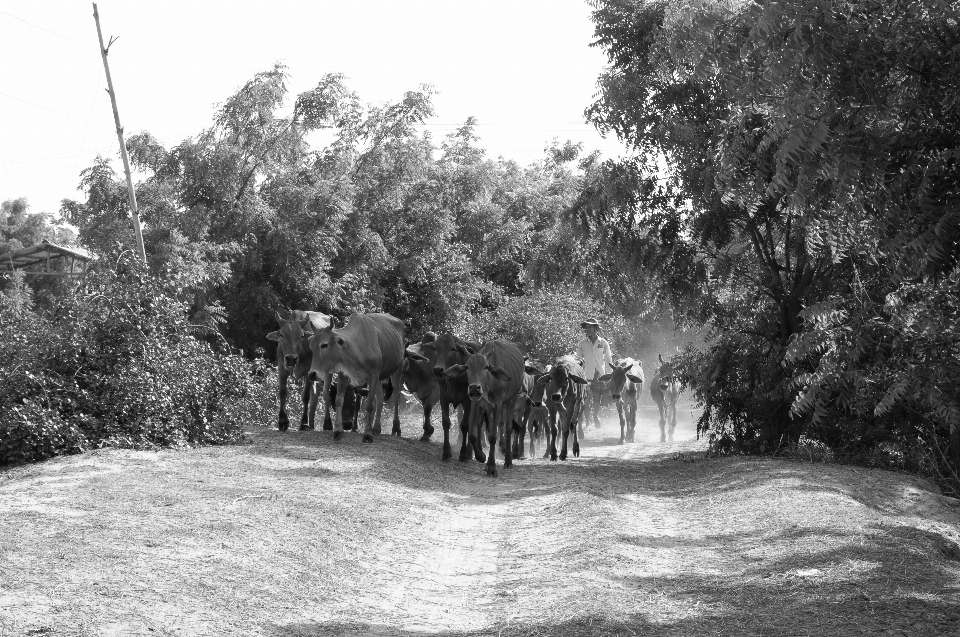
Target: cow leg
point(427, 427)
point(623, 423)
point(493, 428)
point(464, 426)
point(306, 396)
point(338, 412)
point(631, 421)
point(564, 433)
point(673, 419)
point(445, 424)
point(283, 422)
point(552, 436)
point(478, 415)
point(374, 407)
point(576, 440)
point(329, 398)
point(663, 421)
point(397, 396)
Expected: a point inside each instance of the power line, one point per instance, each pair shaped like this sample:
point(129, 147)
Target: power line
point(51, 156)
point(50, 110)
point(49, 31)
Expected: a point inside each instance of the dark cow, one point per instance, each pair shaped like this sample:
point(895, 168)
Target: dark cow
point(493, 384)
point(449, 350)
point(522, 412)
point(625, 383)
point(665, 391)
point(368, 350)
point(293, 357)
point(419, 379)
point(564, 392)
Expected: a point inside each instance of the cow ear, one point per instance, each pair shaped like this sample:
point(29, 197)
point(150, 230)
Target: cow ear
point(660, 358)
point(413, 356)
point(603, 378)
point(530, 369)
point(274, 336)
point(634, 378)
point(498, 372)
point(578, 379)
point(462, 349)
point(454, 371)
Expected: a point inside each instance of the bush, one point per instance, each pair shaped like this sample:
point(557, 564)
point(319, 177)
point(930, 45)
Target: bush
point(117, 363)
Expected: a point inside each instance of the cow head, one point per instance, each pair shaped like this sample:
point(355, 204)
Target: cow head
point(424, 352)
point(559, 381)
point(480, 375)
point(327, 348)
point(289, 339)
point(448, 351)
point(666, 374)
point(618, 378)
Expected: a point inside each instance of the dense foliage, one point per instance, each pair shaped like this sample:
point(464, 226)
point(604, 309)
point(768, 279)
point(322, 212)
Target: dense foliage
point(115, 362)
point(812, 189)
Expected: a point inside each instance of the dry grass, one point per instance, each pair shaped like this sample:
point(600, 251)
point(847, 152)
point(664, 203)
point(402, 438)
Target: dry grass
point(297, 535)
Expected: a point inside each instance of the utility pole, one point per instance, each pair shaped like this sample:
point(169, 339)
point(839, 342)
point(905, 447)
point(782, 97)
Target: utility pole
point(123, 147)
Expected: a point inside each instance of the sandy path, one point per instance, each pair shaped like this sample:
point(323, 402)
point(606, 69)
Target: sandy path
point(297, 535)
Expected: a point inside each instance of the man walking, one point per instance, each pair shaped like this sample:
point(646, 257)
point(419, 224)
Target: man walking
point(597, 361)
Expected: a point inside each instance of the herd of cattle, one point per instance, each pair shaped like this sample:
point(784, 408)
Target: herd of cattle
point(492, 383)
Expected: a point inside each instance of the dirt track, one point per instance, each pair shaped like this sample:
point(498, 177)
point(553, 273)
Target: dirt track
point(298, 535)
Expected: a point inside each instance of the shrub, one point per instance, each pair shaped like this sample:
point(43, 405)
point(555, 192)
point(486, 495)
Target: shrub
point(117, 363)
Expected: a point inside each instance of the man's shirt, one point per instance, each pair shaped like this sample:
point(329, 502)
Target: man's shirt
point(597, 360)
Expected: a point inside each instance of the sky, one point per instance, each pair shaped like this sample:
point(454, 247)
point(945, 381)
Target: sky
point(523, 68)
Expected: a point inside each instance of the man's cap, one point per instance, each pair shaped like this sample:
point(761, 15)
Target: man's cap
point(589, 322)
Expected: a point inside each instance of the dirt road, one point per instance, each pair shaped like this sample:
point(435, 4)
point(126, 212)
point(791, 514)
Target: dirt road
point(297, 535)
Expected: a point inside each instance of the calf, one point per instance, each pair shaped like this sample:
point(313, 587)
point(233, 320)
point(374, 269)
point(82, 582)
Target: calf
point(493, 385)
point(446, 351)
point(625, 383)
point(419, 379)
point(564, 391)
point(294, 357)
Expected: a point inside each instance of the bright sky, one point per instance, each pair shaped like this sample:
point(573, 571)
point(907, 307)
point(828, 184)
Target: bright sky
point(523, 68)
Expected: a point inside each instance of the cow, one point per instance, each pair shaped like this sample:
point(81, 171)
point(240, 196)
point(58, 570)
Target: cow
point(625, 384)
point(665, 391)
point(564, 392)
point(539, 415)
point(448, 350)
point(521, 414)
point(294, 357)
point(493, 385)
point(369, 349)
point(420, 381)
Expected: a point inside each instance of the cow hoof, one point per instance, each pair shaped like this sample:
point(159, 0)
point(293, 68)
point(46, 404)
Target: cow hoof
point(395, 432)
point(377, 429)
point(337, 435)
point(491, 471)
point(306, 428)
point(427, 432)
point(282, 427)
point(446, 456)
point(367, 438)
point(563, 456)
point(576, 452)
point(621, 441)
point(327, 425)
point(481, 458)
point(464, 457)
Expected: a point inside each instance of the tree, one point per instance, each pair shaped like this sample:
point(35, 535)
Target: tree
point(812, 148)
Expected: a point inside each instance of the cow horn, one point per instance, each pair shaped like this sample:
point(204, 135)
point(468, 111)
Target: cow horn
point(279, 318)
